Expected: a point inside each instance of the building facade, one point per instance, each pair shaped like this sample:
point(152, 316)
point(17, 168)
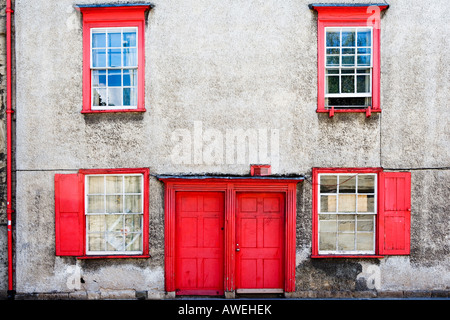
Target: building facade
point(226, 148)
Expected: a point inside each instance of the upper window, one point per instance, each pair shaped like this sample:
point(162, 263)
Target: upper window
point(348, 58)
point(360, 212)
point(114, 57)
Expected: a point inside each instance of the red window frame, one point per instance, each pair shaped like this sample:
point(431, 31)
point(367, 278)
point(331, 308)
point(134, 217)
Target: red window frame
point(393, 216)
point(348, 16)
point(103, 16)
point(70, 218)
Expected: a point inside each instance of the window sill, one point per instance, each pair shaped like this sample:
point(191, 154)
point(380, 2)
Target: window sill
point(141, 256)
point(113, 111)
point(331, 111)
point(373, 256)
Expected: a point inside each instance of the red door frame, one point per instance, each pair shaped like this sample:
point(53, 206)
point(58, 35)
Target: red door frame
point(230, 186)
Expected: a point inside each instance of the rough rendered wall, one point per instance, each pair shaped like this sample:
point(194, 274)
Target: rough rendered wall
point(218, 67)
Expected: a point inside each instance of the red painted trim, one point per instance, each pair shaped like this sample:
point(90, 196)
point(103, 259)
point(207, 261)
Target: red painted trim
point(230, 187)
point(137, 256)
point(341, 16)
point(146, 193)
point(315, 195)
point(100, 17)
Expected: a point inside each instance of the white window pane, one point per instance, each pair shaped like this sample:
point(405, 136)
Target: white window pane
point(328, 184)
point(133, 204)
point(114, 204)
point(114, 96)
point(365, 242)
point(129, 97)
point(347, 203)
point(364, 37)
point(130, 57)
point(96, 223)
point(114, 58)
point(133, 222)
point(96, 204)
point(99, 78)
point(366, 223)
point(129, 77)
point(133, 184)
point(114, 223)
point(95, 184)
point(98, 40)
point(114, 184)
point(99, 97)
point(129, 39)
point(346, 241)
point(366, 203)
point(114, 78)
point(366, 184)
point(114, 242)
point(133, 242)
point(96, 242)
point(327, 241)
point(114, 39)
point(347, 184)
point(99, 58)
point(327, 203)
point(333, 38)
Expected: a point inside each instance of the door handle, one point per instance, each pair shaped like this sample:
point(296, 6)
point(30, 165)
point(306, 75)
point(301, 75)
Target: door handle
point(237, 247)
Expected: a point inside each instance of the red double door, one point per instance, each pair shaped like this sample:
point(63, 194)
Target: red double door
point(200, 243)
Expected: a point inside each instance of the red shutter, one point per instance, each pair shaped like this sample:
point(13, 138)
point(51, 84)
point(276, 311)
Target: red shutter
point(395, 213)
point(69, 215)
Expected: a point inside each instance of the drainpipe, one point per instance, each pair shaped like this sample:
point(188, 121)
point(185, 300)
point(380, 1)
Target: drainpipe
point(9, 113)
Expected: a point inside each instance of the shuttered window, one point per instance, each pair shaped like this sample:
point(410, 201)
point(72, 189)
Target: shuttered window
point(361, 212)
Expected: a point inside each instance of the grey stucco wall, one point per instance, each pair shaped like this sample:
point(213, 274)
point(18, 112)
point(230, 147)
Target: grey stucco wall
point(229, 65)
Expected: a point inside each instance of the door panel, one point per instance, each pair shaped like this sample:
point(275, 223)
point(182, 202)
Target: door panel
point(259, 241)
point(199, 245)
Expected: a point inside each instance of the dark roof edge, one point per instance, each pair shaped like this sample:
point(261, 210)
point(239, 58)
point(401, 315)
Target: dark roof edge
point(314, 5)
point(105, 5)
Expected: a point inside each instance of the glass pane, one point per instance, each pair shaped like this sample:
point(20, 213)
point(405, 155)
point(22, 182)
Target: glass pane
point(129, 97)
point(347, 184)
point(132, 184)
point(364, 50)
point(346, 241)
point(96, 242)
point(348, 51)
point(114, 204)
point(130, 57)
point(114, 96)
point(99, 58)
point(348, 38)
point(364, 38)
point(98, 40)
point(327, 226)
point(332, 84)
point(364, 60)
point(365, 223)
point(366, 203)
point(348, 60)
point(95, 184)
point(114, 242)
point(114, 78)
point(129, 39)
point(346, 222)
point(327, 203)
point(133, 222)
point(347, 203)
point(96, 204)
point(332, 60)
point(133, 242)
point(99, 78)
point(333, 38)
point(327, 241)
point(129, 78)
point(114, 58)
point(99, 97)
point(114, 223)
point(114, 184)
point(332, 71)
point(114, 40)
point(328, 184)
point(133, 204)
point(347, 84)
point(363, 84)
point(366, 184)
point(96, 223)
point(365, 241)
point(333, 51)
